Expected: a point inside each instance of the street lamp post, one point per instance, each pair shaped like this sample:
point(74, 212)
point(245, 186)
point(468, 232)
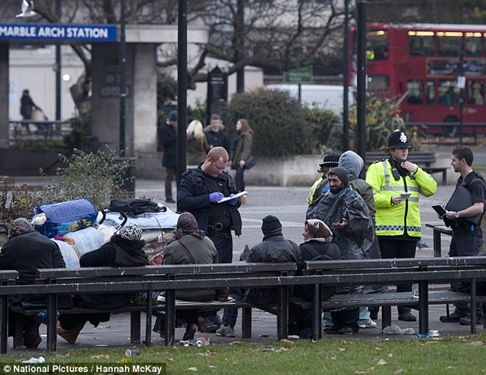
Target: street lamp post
point(58, 67)
point(122, 60)
point(361, 76)
point(181, 89)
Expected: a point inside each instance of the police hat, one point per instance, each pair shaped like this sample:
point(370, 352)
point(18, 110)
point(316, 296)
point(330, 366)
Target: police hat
point(398, 139)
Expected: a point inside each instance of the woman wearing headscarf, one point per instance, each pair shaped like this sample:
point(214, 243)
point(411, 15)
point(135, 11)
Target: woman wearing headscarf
point(317, 245)
point(125, 249)
point(243, 149)
point(191, 246)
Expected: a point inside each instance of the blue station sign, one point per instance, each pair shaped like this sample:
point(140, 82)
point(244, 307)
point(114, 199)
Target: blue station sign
point(62, 33)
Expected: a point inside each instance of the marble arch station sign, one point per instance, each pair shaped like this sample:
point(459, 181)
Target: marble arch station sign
point(59, 33)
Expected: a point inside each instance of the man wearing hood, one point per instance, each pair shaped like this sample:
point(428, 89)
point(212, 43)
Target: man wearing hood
point(354, 163)
point(348, 217)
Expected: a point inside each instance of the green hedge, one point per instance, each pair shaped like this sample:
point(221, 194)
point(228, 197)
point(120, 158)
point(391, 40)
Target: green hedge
point(281, 126)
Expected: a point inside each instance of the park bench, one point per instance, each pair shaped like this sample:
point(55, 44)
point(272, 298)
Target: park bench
point(423, 271)
point(6, 278)
point(168, 278)
point(424, 160)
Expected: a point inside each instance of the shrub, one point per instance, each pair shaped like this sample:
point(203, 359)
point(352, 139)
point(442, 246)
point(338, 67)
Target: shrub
point(98, 176)
point(278, 121)
point(325, 130)
point(382, 118)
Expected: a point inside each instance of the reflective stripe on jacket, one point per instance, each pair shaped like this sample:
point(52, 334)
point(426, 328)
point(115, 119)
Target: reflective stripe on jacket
point(403, 218)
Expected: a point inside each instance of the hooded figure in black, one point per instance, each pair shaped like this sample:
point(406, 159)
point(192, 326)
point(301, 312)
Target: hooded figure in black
point(27, 251)
point(125, 249)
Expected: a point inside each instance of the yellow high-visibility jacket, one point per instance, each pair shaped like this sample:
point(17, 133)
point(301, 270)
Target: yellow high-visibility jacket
point(403, 218)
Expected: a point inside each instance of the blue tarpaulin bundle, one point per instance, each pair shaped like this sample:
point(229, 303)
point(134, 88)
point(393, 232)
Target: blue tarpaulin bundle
point(66, 217)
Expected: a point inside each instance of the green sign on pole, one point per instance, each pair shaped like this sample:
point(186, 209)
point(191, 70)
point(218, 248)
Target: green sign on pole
point(303, 75)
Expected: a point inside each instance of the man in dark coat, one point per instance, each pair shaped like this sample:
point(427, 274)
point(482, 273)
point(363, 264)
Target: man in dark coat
point(27, 251)
point(273, 249)
point(167, 134)
point(199, 192)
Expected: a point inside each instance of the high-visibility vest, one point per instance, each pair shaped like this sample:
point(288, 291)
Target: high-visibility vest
point(396, 220)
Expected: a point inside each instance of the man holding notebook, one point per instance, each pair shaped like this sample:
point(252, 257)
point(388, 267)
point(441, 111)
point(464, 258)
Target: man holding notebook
point(464, 213)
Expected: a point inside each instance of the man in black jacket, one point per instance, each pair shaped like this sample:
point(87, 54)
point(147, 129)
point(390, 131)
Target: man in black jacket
point(199, 193)
point(166, 131)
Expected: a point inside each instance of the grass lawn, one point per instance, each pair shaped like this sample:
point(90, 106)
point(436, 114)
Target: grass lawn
point(337, 355)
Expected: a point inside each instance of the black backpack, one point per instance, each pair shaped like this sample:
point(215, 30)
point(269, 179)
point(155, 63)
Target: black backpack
point(135, 206)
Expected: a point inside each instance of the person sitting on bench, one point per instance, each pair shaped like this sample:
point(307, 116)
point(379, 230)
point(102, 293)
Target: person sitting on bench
point(125, 249)
point(26, 251)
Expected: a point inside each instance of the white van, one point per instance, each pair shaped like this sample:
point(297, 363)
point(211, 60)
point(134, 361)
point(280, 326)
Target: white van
point(322, 96)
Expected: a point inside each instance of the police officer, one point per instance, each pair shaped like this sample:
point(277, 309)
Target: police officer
point(199, 192)
point(396, 184)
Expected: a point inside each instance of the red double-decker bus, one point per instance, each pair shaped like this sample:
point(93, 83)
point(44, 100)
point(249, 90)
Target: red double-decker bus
point(424, 63)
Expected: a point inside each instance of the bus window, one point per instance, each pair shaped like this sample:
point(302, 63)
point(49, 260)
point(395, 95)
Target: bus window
point(430, 92)
point(449, 44)
point(420, 45)
point(414, 87)
point(448, 93)
point(475, 92)
point(473, 44)
point(377, 45)
point(378, 83)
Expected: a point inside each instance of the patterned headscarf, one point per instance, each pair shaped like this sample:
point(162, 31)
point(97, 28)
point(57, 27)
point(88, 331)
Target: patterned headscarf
point(130, 232)
point(187, 224)
point(318, 229)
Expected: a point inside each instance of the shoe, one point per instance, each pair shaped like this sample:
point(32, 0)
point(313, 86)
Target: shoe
point(331, 330)
point(169, 200)
point(345, 331)
point(367, 324)
point(225, 331)
point(407, 317)
point(213, 322)
point(32, 339)
point(190, 332)
point(70, 335)
point(466, 321)
point(452, 318)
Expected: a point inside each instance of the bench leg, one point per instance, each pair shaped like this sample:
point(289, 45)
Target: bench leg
point(52, 323)
point(283, 313)
point(423, 307)
point(317, 313)
point(4, 328)
point(246, 313)
point(473, 306)
point(170, 317)
point(18, 330)
point(386, 316)
point(135, 327)
point(148, 320)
